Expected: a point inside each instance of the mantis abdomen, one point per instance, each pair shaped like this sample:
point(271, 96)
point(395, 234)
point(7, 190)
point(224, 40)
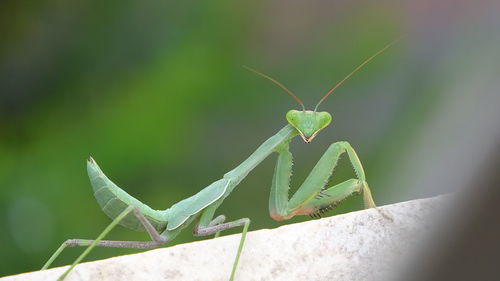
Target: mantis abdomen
point(113, 200)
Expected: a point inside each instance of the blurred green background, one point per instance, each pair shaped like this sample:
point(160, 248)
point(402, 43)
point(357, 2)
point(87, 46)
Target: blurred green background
point(155, 92)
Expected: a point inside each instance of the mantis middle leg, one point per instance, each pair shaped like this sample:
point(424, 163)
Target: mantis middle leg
point(207, 226)
point(313, 197)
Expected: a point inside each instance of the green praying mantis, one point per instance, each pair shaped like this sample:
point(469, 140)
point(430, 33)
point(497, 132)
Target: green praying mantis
point(313, 197)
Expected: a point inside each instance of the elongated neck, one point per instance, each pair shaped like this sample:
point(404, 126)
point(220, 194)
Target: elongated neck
point(264, 150)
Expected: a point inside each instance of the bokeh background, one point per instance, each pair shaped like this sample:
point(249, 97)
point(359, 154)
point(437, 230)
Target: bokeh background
point(155, 92)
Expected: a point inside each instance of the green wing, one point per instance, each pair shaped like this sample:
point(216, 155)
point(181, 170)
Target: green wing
point(183, 210)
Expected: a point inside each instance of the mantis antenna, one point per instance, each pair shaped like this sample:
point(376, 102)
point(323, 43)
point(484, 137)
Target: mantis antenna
point(354, 71)
point(279, 84)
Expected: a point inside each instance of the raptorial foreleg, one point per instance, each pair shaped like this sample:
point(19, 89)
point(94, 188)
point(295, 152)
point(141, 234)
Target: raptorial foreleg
point(313, 197)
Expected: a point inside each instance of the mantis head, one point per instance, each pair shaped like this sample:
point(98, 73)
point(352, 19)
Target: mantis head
point(308, 123)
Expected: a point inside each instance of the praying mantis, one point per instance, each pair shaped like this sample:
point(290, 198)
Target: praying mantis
point(313, 197)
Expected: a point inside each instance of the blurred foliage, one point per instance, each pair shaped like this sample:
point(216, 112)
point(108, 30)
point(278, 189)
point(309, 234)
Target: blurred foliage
point(155, 92)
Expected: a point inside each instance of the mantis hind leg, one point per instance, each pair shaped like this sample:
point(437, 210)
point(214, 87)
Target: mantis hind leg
point(312, 197)
point(157, 240)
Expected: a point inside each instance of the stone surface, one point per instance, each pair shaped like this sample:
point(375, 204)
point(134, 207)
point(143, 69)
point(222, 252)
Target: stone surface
point(360, 245)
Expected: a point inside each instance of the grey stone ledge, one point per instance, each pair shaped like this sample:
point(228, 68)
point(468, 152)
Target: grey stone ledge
point(360, 245)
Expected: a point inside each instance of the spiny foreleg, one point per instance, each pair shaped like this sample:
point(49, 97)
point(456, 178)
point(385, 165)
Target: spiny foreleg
point(312, 197)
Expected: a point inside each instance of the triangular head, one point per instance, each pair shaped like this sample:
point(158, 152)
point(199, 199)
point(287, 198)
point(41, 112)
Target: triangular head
point(308, 123)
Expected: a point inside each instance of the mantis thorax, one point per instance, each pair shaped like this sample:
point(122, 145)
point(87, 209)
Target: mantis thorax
point(308, 123)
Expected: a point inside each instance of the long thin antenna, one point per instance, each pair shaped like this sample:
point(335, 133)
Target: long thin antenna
point(277, 83)
point(355, 70)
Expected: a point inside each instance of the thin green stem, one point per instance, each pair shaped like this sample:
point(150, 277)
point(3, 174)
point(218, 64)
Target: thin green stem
point(240, 248)
point(54, 256)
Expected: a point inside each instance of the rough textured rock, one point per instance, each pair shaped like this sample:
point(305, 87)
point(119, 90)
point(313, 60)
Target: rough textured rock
point(360, 245)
